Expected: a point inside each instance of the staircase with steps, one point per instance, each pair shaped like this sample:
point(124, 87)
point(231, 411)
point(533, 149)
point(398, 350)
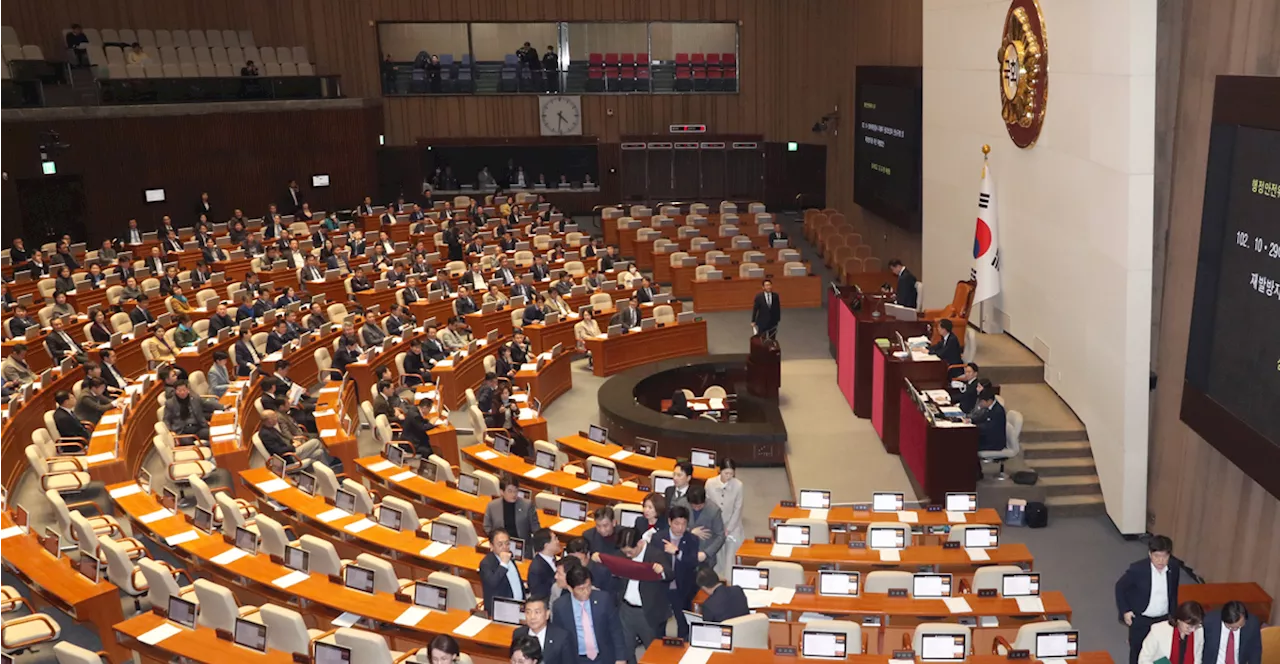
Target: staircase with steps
point(1054, 441)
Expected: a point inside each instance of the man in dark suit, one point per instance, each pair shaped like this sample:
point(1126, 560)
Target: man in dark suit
point(948, 347)
point(722, 602)
point(967, 398)
point(533, 311)
point(766, 311)
point(292, 198)
point(629, 317)
point(69, 426)
point(220, 319)
point(140, 315)
point(1147, 592)
point(417, 428)
point(246, 357)
point(603, 535)
point(525, 289)
point(646, 291)
point(556, 642)
point(681, 477)
point(592, 614)
point(539, 270)
point(778, 235)
point(906, 284)
point(499, 575)
point(204, 207)
point(681, 546)
point(279, 336)
point(1232, 636)
point(990, 419)
point(642, 605)
point(464, 304)
point(542, 567)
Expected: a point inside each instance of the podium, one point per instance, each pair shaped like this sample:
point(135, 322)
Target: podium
point(764, 368)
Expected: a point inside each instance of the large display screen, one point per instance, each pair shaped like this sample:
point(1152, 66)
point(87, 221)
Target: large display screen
point(886, 178)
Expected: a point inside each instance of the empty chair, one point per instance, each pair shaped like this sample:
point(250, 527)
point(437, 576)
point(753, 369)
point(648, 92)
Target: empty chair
point(121, 571)
point(284, 54)
point(168, 55)
point(196, 37)
point(882, 581)
point(305, 69)
point(230, 38)
point(214, 38)
point(69, 653)
point(180, 38)
point(251, 53)
point(268, 55)
point(25, 632)
point(461, 596)
point(102, 525)
point(924, 629)
point(164, 38)
point(218, 608)
point(783, 574)
point(300, 55)
point(1026, 638)
point(170, 70)
point(206, 70)
point(9, 36)
point(189, 70)
point(664, 313)
point(466, 529)
point(851, 630)
point(323, 557)
point(154, 70)
point(128, 36)
point(219, 55)
point(234, 55)
point(286, 630)
point(109, 35)
point(750, 631)
point(384, 575)
point(32, 52)
point(115, 56)
point(991, 577)
point(715, 392)
point(818, 532)
point(366, 647)
point(224, 70)
point(364, 500)
point(161, 584)
point(288, 69)
point(246, 38)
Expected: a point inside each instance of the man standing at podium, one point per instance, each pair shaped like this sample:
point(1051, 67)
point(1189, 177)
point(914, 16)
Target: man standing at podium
point(766, 312)
point(906, 284)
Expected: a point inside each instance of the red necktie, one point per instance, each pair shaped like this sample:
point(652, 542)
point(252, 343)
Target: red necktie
point(1231, 647)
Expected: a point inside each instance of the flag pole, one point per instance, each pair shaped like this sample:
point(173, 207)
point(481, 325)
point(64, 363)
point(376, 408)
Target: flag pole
point(982, 306)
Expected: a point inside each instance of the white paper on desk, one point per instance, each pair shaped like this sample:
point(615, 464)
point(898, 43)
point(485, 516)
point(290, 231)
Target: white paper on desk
point(330, 390)
point(957, 605)
point(602, 336)
point(486, 455)
point(620, 455)
point(957, 517)
point(1053, 661)
point(565, 525)
point(380, 466)
point(175, 540)
point(716, 404)
point(471, 626)
point(908, 517)
point(326, 412)
point(1030, 605)
point(291, 579)
point(420, 396)
point(273, 357)
point(528, 414)
point(444, 364)
point(99, 458)
point(328, 433)
point(924, 356)
point(331, 515)
point(223, 439)
point(820, 515)
point(520, 398)
point(588, 487)
point(155, 516)
point(222, 429)
point(758, 599)
point(273, 485)
point(780, 551)
point(110, 419)
point(694, 655)
point(102, 432)
point(11, 531)
point(158, 634)
point(434, 549)
point(977, 555)
point(134, 388)
point(229, 556)
point(890, 555)
point(347, 619)
point(535, 473)
point(783, 595)
point(698, 405)
point(412, 615)
point(400, 477)
point(359, 526)
point(128, 490)
point(529, 366)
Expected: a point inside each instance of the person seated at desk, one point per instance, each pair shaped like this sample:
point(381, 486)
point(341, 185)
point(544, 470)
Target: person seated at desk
point(185, 335)
point(533, 311)
point(93, 402)
point(502, 365)
point(539, 269)
point(220, 319)
point(990, 420)
point(524, 288)
point(456, 335)
point(948, 347)
point(60, 344)
point(1178, 640)
point(630, 317)
point(608, 259)
point(723, 602)
point(61, 307)
point(417, 428)
point(15, 368)
point(507, 242)
point(475, 247)
point(966, 398)
point(388, 403)
point(279, 441)
point(416, 363)
point(278, 337)
point(410, 293)
point(563, 285)
point(184, 413)
point(504, 272)
point(680, 406)
point(37, 266)
point(65, 420)
point(521, 350)
point(906, 284)
point(778, 235)
point(1232, 636)
point(370, 333)
point(171, 244)
point(396, 275)
point(63, 283)
point(538, 641)
point(287, 297)
point(646, 291)
point(397, 321)
point(360, 282)
point(494, 296)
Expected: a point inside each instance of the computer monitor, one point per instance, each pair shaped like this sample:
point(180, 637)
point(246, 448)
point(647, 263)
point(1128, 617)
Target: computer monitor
point(823, 645)
point(203, 519)
point(276, 465)
point(597, 434)
point(394, 453)
point(838, 583)
point(444, 533)
point(182, 611)
point(573, 509)
point(660, 483)
point(431, 596)
point(307, 483)
point(328, 653)
point(508, 611)
point(931, 586)
point(815, 499)
point(886, 538)
point(962, 502)
point(544, 459)
point(981, 538)
point(702, 458)
point(246, 540)
point(603, 474)
point(749, 578)
point(469, 484)
point(88, 566)
point(389, 517)
point(502, 444)
point(517, 548)
point(297, 559)
point(1057, 645)
point(251, 635)
point(713, 636)
point(427, 470)
point(943, 648)
point(887, 502)
point(646, 447)
point(345, 500)
point(792, 534)
point(1023, 584)
point(629, 518)
point(359, 578)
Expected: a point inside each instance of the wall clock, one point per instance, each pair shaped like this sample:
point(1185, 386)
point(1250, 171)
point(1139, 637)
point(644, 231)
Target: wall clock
point(1024, 72)
point(560, 116)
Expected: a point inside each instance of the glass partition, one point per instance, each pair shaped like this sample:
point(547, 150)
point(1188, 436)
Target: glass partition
point(509, 56)
point(695, 57)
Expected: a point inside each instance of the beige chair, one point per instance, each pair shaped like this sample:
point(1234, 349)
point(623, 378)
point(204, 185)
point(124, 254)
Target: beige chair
point(523, 258)
point(322, 556)
point(205, 499)
point(783, 574)
point(61, 481)
point(218, 608)
point(66, 652)
point(25, 632)
point(852, 632)
point(120, 322)
point(924, 629)
point(818, 531)
point(575, 269)
point(384, 575)
point(103, 525)
point(1026, 637)
point(676, 258)
point(444, 472)
point(601, 302)
point(467, 536)
point(750, 631)
point(114, 294)
point(744, 270)
point(547, 501)
point(601, 462)
point(122, 571)
point(161, 584)
point(364, 499)
point(337, 313)
point(461, 596)
point(991, 577)
point(664, 313)
point(882, 581)
point(560, 457)
point(85, 532)
point(366, 647)
point(715, 392)
point(286, 630)
point(892, 525)
point(409, 519)
point(702, 272)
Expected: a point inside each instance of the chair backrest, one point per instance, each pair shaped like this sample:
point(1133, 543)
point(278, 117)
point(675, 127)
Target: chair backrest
point(364, 501)
point(326, 480)
point(366, 647)
point(408, 514)
point(601, 301)
point(546, 501)
point(461, 595)
point(119, 567)
point(818, 531)
point(272, 536)
point(488, 483)
point(384, 575)
point(851, 630)
point(750, 631)
point(466, 528)
point(160, 583)
point(892, 525)
point(1026, 638)
point(991, 577)
point(286, 630)
point(882, 581)
point(444, 472)
point(940, 628)
point(551, 448)
point(67, 652)
point(664, 313)
point(218, 609)
point(231, 516)
point(595, 461)
point(715, 392)
point(203, 495)
point(783, 574)
point(323, 558)
point(61, 514)
point(1013, 432)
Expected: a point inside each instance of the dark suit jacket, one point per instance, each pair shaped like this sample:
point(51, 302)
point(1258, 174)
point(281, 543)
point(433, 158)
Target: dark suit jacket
point(969, 397)
point(686, 568)
point(465, 306)
point(766, 316)
point(69, 425)
point(645, 294)
point(276, 341)
point(217, 322)
point(906, 289)
point(653, 594)
point(542, 577)
point(493, 577)
point(532, 314)
point(604, 618)
point(559, 645)
point(992, 434)
point(948, 348)
point(415, 430)
point(243, 358)
point(1249, 638)
point(725, 603)
point(140, 316)
point(1133, 590)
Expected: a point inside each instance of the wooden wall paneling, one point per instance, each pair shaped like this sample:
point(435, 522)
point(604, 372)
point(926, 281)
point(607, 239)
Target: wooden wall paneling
point(686, 174)
point(660, 167)
point(634, 175)
point(714, 163)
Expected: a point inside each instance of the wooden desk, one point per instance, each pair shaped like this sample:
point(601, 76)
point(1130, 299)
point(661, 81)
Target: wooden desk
point(665, 273)
point(647, 258)
point(887, 375)
point(938, 459)
point(383, 299)
point(1214, 595)
point(56, 582)
point(555, 481)
point(664, 654)
point(552, 380)
point(195, 645)
point(252, 578)
point(851, 520)
point(861, 343)
point(459, 373)
point(499, 319)
point(735, 294)
point(913, 558)
point(581, 447)
point(612, 355)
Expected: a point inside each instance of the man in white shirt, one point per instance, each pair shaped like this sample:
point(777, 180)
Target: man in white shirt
point(1148, 591)
point(1232, 636)
point(677, 494)
point(553, 638)
point(643, 608)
